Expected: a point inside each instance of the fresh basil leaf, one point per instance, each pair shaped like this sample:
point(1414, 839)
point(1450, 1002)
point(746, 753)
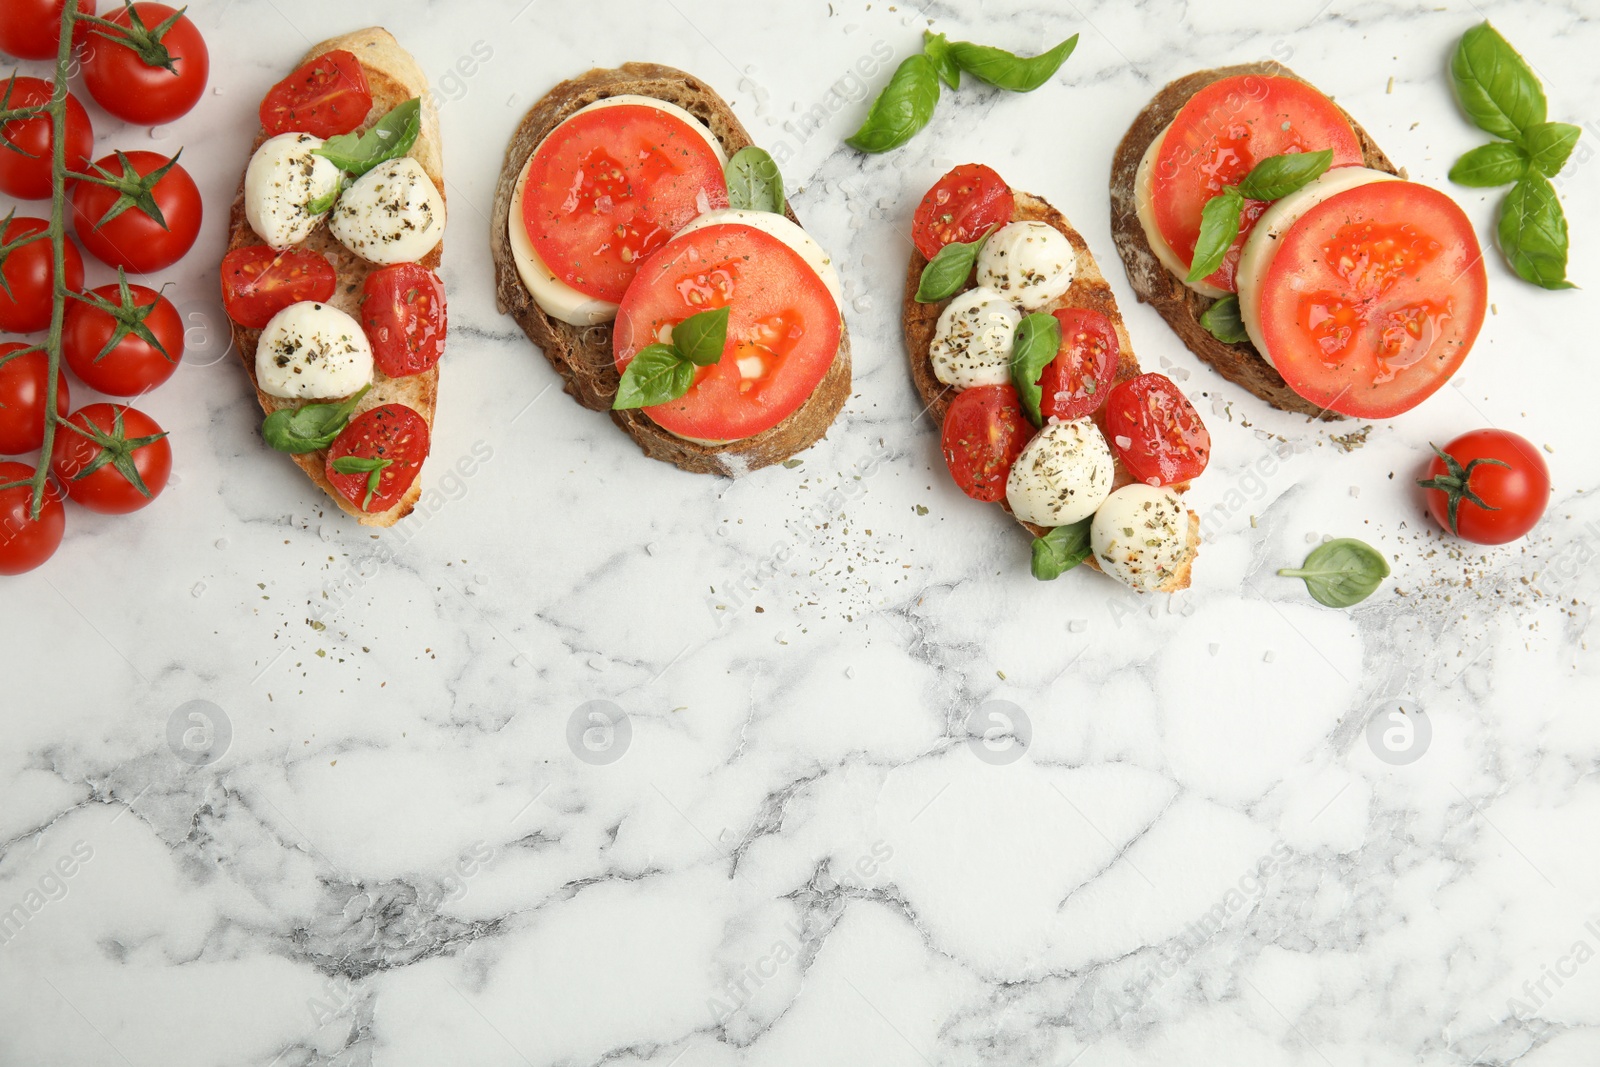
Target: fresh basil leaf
point(1225, 322)
point(1496, 163)
point(325, 203)
point(1219, 226)
point(657, 374)
point(1037, 341)
point(948, 270)
point(1005, 70)
point(701, 337)
point(1532, 231)
point(1495, 85)
point(754, 183)
point(372, 466)
point(936, 46)
point(389, 138)
point(902, 109)
point(1061, 549)
point(1549, 144)
point(1277, 176)
point(1341, 573)
point(308, 428)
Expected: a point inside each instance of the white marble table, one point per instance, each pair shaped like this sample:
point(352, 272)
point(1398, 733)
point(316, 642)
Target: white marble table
point(409, 843)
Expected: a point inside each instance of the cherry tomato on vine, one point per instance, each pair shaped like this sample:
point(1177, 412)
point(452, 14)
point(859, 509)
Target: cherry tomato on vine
point(31, 29)
point(116, 216)
point(111, 458)
point(151, 72)
point(28, 149)
point(26, 542)
point(403, 314)
point(24, 380)
point(29, 272)
point(1487, 486)
point(123, 344)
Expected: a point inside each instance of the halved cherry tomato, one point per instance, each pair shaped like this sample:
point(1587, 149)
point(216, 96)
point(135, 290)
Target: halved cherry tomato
point(1499, 483)
point(31, 29)
point(122, 82)
point(23, 383)
point(607, 188)
point(257, 282)
point(26, 542)
point(132, 366)
point(403, 313)
point(132, 239)
point(27, 152)
point(1076, 382)
point(104, 453)
point(1374, 298)
point(325, 97)
point(391, 442)
point(984, 432)
point(1156, 432)
point(1224, 130)
point(783, 329)
point(28, 296)
point(961, 206)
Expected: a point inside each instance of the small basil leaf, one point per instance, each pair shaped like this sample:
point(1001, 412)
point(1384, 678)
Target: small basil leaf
point(1037, 342)
point(1061, 549)
point(658, 373)
point(1496, 163)
point(389, 138)
point(1495, 85)
point(902, 109)
point(701, 337)
point(1224, 322)
point(948, 270)
point(936, 46)
point(754, 183)
point(1341, 573)
point(1005, 70)
point(1219, 226)
point(310, 427)
point(1549, 144)
point(1277, 176)
point(1532, 231)
point(323, 204)
point(372, 466)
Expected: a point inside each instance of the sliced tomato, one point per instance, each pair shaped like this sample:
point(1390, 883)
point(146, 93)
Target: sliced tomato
point(961, 206)
point(325, 97)
point(403, 313)
point(1076, 382)
point(1224, 130)
point(257, 282)
point(1156, 432)
point(609, 187)
point(1374, 298)
point(26, 145)
point(392, 441)
point(783, 329)
point(983, 434)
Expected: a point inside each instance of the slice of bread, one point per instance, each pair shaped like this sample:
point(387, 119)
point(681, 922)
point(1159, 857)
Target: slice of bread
point(582, 355)
point(1089, 290)
point(394, 78)
point(1180, 305)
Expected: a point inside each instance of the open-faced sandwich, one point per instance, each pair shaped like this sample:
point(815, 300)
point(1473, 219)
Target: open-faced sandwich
point(645, 246)
point(1020, 355)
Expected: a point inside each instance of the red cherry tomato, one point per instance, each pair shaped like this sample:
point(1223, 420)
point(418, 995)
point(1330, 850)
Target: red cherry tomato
point(390, 442)
point(257, 282)
point(984, 432)
point(114, 450)
point(26, 542)
point(31, 29)
point(1077, 381)
point(1156, 432)
point(960, 207)
point(324, 97)
point(403, 313)
point(27, 176)
point(133, 365)
point(1488, 487)
point(23, 385)
point(147, 90)
point(29, 272)
point(134, 240)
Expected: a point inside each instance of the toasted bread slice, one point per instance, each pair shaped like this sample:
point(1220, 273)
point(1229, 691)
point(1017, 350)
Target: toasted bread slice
point(394, 77)
point(582, 355)
point(1180, 305)
point(1089, 290)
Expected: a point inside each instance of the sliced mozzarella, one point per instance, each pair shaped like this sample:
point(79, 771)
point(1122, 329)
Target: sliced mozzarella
point(1062, 475)
point(1029, 263)
point(391, 214)
point(973, 338)
point(313, 351)
point(1262, 245)
point(1140, 536)
point(285, 177)
point(780, 227)
point(1144, 204)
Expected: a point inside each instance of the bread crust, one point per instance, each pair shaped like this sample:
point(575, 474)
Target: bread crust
point(394, 77)
point(582, 355)
point(1181, 306)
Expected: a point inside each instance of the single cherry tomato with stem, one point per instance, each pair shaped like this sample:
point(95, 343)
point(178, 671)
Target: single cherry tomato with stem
point(403, 314)
point(1488, 486)
point(27, 145)
point(375, 459)
point(111, 458)
point(24, 389)
point(257, 282)
point(31, 29)
point(26, 542)
point(123, 340)
point(137, 210)
point(28, 274)
point(962, 206)
point(984, 432)
point(146, 64)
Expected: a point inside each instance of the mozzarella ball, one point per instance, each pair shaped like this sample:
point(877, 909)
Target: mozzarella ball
point(1062, 475)
point(972, 341)
point(1028, 263)
point(392, 214)
point(283, 179)
point(313, 351)
point(1140, 535)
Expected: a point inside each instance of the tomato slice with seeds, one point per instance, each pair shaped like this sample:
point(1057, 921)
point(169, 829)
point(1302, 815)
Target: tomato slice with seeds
point(1156, 432)
point(609, 187)
point(393, 435)
point(1224, 130)
point(961, 206)
point(983, 434)
point(783, 329)
point(325, 97)
point(257, 282)
point(1077, 381)
point(403, 314)
point(1374, 298)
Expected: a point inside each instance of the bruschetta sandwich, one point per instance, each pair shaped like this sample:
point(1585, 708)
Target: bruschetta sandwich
point(646, 246)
